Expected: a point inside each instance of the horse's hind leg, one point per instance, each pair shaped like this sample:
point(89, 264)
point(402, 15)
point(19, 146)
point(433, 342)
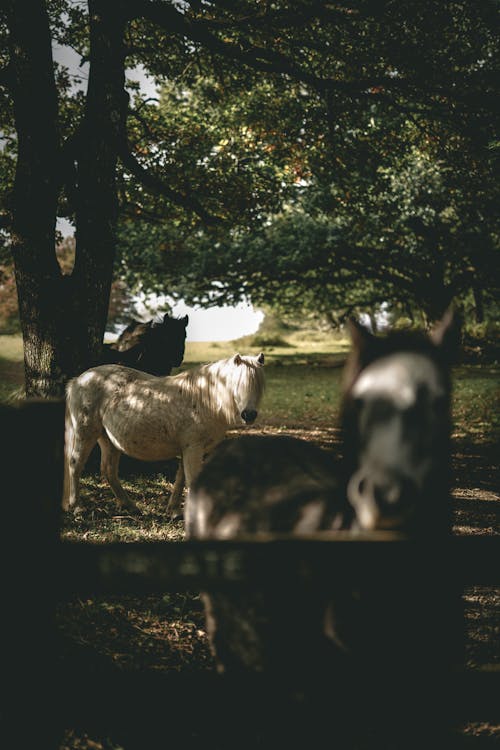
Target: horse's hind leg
point(77, 450)
point(110, 459)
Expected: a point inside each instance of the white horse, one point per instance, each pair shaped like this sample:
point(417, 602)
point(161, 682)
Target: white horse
point(156, 418)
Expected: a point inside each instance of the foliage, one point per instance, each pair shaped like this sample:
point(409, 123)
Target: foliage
point(333, 201)
point(326, 156)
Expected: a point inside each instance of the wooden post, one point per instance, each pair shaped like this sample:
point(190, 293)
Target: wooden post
point(31, 467)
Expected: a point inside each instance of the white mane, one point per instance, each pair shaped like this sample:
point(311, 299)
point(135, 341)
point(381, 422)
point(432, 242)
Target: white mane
point(214, 386)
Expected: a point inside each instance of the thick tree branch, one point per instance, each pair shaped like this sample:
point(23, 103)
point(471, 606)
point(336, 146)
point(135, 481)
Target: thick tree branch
point(157, 185)
point(160, 185)
point(259, 58)
point(271, 61)
point(135, 210)
point(280, 19)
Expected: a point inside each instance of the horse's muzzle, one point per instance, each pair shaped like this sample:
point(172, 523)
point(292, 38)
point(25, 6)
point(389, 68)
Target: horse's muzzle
point(382, 502)
point(249, 416)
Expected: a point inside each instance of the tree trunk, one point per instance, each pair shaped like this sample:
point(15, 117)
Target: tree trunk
point(97, 202)
point(34, 198)
point(63, 318)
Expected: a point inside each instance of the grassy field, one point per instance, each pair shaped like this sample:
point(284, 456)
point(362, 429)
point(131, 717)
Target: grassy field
point(302, 398)
point(302, 382)
point(11, 366)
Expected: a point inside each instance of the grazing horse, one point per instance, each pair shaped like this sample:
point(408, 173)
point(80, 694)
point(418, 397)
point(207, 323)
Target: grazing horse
point(394, 475)
point(156, 418)
point(155, 347)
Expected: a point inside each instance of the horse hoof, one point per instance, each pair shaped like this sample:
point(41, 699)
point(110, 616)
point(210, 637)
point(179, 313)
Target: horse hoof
point(177, 515)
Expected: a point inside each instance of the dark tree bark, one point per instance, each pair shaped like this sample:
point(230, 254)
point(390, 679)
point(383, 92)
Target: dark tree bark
point(34, 198)
point(63, 318)
point(96, 199)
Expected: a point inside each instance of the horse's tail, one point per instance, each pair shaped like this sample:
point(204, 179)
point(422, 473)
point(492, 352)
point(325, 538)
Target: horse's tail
point(69, 442)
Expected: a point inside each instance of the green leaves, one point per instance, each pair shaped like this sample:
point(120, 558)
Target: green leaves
point(309, 154)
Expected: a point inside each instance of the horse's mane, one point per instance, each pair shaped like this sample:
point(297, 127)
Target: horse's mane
point(138, 330)
point(212, 385)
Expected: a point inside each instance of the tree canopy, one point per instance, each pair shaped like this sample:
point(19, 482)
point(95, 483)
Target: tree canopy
point(327, 155)
point(367, 172)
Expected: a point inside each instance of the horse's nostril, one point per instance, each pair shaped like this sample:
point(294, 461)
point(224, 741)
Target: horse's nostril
point(395, 496)
point(387, 494)
point(249, 415)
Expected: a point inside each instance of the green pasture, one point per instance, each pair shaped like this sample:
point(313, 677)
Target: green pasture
point(303, 382)
point(302, 397)
point(302, 394)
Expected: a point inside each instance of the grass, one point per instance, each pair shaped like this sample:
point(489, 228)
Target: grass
point(303, 371)
point(302, 394)
point(476, 401)
point(102, 520)
point(11, 366)
point(298, 348)
point(303, 381)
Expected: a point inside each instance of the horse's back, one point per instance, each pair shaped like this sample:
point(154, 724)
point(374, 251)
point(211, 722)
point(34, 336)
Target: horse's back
point(265, 484)
point(110, 376)
point(95, 386)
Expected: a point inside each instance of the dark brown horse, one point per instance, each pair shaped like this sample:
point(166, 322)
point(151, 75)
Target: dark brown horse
point(394, 475)
point(154, 347)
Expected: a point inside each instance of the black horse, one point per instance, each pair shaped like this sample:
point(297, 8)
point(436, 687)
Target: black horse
point(393, 476)
point(154, 347)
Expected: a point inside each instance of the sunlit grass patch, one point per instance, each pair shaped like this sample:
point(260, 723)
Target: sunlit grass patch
point(301, 394)
point(11, 368)
point(293, 348)
point(102, 520)
point(11, 347)
point(476, 401)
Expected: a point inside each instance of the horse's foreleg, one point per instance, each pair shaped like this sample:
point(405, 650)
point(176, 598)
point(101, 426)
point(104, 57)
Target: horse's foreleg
point(110, 459)
point(190, 465)
point(174, 502)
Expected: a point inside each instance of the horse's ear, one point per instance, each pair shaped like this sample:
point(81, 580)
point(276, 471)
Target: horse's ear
point(446, 333)
point(260, 358)
point(360, 336)
point(166, 317)
point(185, 320)
point(237, 359)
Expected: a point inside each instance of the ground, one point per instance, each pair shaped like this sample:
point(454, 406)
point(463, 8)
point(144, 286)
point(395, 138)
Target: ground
point(302, 399)
point(168, 633)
